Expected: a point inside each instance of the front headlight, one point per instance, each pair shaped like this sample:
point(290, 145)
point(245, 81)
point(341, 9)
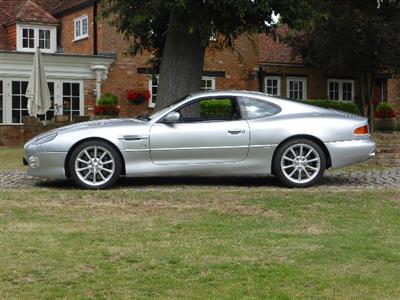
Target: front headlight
point(45, 139)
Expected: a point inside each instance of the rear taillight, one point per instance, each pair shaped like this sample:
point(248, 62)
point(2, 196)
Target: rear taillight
point(361, 130)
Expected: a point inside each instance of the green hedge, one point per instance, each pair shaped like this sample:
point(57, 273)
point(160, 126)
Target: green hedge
point(213, 109)
point(349, 107)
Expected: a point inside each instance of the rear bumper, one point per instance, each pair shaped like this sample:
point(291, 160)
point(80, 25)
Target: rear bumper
point(350, 152)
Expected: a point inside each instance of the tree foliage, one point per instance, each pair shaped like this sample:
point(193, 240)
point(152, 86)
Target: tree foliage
point(145, 22)
point(177, 32)
point(356, 35)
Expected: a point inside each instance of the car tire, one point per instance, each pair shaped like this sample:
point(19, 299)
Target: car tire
point(299, 163)
point(95, 165)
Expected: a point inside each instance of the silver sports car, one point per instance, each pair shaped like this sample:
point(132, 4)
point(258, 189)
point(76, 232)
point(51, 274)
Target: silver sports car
point(207, 133)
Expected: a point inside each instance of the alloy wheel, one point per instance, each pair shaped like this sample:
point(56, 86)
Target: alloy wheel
point(95, 165)
point(300, 163)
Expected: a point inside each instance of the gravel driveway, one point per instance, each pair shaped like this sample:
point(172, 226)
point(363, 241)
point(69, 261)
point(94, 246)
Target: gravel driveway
point(389, 178)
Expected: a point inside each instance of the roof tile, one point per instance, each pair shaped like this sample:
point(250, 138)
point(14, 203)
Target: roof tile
point(274, 50)
point(31, 12)
point(70, 4)
point(37, 11)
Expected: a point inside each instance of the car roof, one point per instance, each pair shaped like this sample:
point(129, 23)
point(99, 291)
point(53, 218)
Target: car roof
point(227, 93)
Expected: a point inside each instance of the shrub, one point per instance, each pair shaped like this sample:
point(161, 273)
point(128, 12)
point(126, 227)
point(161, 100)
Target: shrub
point(385, 110)
point(212, 108)
point(349, 107)
point(108, 100)
point(107, 105)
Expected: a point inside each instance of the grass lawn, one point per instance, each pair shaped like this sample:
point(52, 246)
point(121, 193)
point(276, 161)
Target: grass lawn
point(11, 158)
point(198, 242)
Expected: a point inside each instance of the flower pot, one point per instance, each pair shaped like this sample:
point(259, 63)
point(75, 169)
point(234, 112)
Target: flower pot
point(61, 119)
point(80, 119)
point(30, 120)
point(385, 124)
point(103, 117)
point(137, 98)
point(138, 101)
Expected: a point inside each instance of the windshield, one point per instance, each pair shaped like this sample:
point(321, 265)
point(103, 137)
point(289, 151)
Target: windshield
point(159, 113)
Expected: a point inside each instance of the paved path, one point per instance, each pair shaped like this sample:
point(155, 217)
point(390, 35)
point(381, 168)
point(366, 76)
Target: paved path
point(346, 180)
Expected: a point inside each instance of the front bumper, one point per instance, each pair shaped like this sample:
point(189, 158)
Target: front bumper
point(350, 152)
point(46, 164)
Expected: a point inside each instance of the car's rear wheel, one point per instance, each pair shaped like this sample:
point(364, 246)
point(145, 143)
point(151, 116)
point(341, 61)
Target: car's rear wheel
point(95, 165)
point(299, 163)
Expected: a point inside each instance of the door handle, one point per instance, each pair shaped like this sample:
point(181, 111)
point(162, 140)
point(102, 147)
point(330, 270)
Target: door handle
point(236, 131)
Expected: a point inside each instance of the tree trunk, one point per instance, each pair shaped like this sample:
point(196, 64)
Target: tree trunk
point(363, 88)
point(181, 65)
point(368, 88)
point(371, 100)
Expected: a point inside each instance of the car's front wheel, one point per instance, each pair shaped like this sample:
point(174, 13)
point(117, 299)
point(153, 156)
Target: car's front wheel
point(95, 165)
point(299, 163)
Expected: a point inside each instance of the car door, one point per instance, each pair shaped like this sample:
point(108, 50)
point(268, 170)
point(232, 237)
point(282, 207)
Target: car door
point(209, 131)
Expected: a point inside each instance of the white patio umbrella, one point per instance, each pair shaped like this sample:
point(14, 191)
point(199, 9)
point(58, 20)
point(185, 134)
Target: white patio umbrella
point(37, 92)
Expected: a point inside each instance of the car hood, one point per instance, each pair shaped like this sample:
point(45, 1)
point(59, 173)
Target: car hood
point(90, 125)
point(100, 123)
point(97, 124)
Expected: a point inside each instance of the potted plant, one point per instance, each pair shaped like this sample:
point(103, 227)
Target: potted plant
point(106, 107)
point(138, 98)
point(385, 117)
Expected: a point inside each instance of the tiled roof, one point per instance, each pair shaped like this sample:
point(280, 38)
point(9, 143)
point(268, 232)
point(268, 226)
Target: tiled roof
point(48, 5)
point(31, 12)
point(275, 50)
point(7, 8)
point(70, 5)
point(37, 11)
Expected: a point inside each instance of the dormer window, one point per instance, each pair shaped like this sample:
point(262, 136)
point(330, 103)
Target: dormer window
point(44, 39)
point(81, 28)
point(30, 37)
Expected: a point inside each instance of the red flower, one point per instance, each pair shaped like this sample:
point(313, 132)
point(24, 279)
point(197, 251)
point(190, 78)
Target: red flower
point(138, 96)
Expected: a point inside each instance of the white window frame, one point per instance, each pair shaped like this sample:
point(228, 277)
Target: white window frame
point(153, 104)
point(21, 95)
point(278, 79)
point(36, 28)
point(79, 20)
point(81, 97)
point(294, 79)
point(2, 95)
point(208, 78)
point(7, 96)
point(340, 82)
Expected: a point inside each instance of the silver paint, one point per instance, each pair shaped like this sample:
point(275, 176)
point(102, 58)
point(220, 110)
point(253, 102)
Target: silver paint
point(241, 147)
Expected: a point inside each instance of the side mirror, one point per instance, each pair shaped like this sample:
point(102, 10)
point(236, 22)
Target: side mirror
point(173, 117)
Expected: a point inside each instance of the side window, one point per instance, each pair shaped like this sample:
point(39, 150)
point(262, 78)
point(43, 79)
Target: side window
point(208, 110)
point(257, 109)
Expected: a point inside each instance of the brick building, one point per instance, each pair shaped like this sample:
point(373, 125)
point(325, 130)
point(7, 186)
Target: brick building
point(84, 59)
point(287, 76)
